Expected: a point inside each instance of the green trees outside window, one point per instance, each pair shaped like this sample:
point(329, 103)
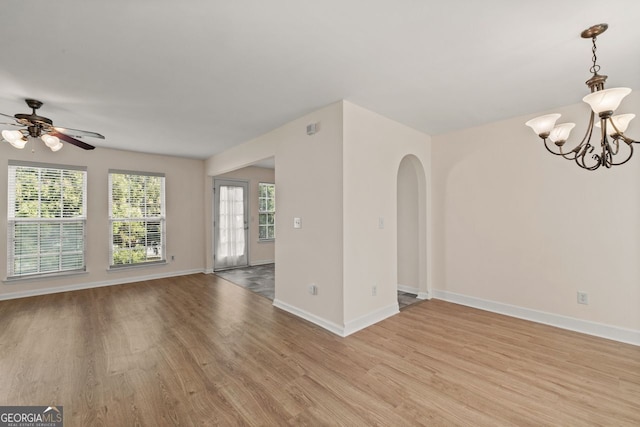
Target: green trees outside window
point(266, 211)
point(46, 219)
point(137, 218)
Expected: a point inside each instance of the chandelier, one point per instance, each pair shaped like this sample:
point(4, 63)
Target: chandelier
point(615, 147)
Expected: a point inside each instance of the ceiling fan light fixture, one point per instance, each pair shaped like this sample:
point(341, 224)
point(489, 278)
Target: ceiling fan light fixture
point(15, 138)
point(50, 140)
point(19, 144)
point(37, 126)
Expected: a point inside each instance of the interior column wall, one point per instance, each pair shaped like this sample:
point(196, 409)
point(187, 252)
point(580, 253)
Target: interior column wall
point(374, 146)
point(309, 187)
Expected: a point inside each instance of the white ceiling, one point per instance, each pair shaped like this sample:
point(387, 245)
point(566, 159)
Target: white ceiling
point(195, 77)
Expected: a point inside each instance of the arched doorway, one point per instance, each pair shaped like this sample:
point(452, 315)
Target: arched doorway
point(411, 220)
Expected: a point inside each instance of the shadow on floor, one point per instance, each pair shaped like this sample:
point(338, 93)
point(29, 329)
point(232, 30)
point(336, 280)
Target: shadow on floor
point(260, 279)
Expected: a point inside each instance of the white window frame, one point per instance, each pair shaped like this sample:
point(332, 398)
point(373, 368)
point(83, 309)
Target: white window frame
point(264, 213)
point(70, 251)
point(158, 253)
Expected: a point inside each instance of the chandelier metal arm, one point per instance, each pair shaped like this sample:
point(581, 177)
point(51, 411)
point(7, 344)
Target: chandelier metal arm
point(587, 135)
point(627, 139)
point(575, 152)
point(564, 155)
point(616, 143)
point(580, 158)
point(628, 157)
point(550, 150)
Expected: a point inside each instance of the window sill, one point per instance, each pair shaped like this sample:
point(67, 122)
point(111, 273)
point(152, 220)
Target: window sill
point(266, 240)
point(17, 279)
point(134, 266)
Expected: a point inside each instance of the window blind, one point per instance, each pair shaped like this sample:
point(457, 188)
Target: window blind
point(46, 219)
point(137, 218)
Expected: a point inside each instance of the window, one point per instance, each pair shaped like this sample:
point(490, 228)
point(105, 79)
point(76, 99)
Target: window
point(137, 219)
point(46, 219)
point(266, 211)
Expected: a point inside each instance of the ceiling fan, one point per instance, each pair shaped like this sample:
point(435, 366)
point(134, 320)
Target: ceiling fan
point(37, 126)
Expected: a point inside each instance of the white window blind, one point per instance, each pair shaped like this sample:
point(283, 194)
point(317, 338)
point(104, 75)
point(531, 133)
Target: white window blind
point(266, 211)
point(137, 218)
point(46, 219)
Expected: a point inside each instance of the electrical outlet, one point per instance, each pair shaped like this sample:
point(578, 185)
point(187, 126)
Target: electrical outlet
point(374, 290)
point(583, 298)
point(313, 289)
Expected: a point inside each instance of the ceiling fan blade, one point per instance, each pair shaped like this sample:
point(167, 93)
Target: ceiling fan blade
point(77, 132)
point(11, 124)
point(6, 115)
point(72, 140)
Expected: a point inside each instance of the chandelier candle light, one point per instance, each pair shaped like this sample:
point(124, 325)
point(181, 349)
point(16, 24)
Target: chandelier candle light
point(603, 102)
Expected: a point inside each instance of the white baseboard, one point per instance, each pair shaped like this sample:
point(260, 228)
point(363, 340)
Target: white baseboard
point(120, 281)
point(263, 262)
point(415, 291)
point(424, 295)
point(629, 336)
point(369, 319)
point(408, 289)
point(323, 323)
point(343, 331)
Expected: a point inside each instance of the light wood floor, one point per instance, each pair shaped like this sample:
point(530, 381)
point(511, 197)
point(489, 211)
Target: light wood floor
point(197, 350)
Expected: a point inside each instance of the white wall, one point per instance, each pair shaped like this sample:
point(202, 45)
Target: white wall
point(308, 186)
point(374, 146)
point(260, 252)
point(238, 157)
point(339, 181)
point(184, 210)
point(515, 225)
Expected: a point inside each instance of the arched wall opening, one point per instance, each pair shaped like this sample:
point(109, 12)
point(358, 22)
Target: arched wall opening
point(411, 223)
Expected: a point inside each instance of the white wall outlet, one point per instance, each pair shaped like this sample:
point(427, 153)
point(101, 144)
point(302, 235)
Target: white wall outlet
point(583, 298)
point(374, 290)
point(381, 222)
point(297, 223)
point(313, 289)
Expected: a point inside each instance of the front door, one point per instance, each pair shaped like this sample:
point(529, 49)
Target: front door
point(230, 224)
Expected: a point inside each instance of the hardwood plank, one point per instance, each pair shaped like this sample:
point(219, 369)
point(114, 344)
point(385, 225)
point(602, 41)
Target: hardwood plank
point(197, 350)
